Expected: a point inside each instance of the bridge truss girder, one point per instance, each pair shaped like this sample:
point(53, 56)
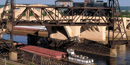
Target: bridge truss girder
point(109, 15)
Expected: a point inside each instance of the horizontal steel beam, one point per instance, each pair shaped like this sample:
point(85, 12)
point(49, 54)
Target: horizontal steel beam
point(119, 42)
point(44, 23)
point(66, 7)
point(61, 24)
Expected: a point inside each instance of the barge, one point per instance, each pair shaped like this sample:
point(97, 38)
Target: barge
point(44, 56)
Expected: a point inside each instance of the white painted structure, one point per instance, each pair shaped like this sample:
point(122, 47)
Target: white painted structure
point(64, 3)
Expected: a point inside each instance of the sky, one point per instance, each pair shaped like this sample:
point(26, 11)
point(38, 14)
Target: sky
point(122, 2)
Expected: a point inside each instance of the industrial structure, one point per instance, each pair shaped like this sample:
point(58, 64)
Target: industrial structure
point(64, 3)
point(69, 25)
point(86, 1)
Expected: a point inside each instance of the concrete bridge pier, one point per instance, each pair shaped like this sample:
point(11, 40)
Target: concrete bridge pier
point(113, 51)
point(122, 47)
point(28, 15)
point(57, 32)
point(63, 33)
point(113, 61)
point(75, 33)
point(13, 56)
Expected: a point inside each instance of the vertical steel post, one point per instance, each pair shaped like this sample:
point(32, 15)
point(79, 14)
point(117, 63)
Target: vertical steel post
point(10, 15)
point(12, 20)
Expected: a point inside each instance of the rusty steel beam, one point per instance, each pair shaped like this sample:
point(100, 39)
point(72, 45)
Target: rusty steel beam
point(63, 17)
point(65, 7)
point(9, 13)
point(61, 24)
point(119, 42)
point(117, 19)
point(109, 15)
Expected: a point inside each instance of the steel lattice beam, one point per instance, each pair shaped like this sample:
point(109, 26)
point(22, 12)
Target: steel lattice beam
point(87, 15)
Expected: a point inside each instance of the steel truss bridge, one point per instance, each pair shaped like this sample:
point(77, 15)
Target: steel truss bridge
point(72, 16)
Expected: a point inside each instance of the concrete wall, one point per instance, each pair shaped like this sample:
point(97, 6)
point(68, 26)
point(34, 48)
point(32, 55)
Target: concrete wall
point(95, 35)
point(57, 32)
point(75, 31)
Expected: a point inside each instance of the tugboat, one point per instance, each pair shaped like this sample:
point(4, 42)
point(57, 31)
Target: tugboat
point(80, 59)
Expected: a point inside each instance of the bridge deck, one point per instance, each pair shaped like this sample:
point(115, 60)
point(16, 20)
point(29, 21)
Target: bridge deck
point(45, 23)
point(61, 24)
point(64, 7)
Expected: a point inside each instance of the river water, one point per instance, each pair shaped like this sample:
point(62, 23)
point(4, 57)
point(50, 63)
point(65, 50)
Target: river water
point(122, 59)
point(18, 38)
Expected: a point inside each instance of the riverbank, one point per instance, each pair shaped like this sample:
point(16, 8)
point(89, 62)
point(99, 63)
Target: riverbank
point(8, 62)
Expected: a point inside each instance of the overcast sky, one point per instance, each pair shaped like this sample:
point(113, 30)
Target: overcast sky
point(122, 2)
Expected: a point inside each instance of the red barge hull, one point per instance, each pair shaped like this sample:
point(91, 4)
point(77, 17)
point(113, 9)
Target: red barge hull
point(44, 52)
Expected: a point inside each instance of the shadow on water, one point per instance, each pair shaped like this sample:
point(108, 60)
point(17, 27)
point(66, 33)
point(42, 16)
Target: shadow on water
point(122, 59)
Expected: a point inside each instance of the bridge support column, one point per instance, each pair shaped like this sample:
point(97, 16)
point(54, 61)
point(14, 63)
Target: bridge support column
point(57, 33)
point(122, 47)
point(75, 33)
point(103, 33)
point(125, 22)
point(27, 15)
point(113, 61)
point(13, 56)
point(66, 32)
point(113, 51)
